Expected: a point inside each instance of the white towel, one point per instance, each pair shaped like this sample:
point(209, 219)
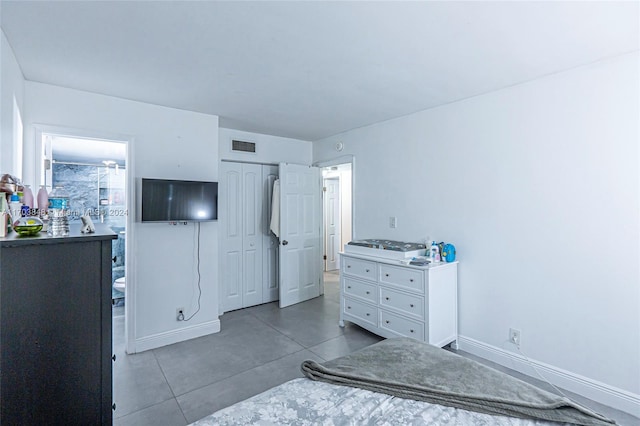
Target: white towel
point(275, 209)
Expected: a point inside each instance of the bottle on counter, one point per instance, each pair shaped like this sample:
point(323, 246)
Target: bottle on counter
point(43, 198)
point(58, 213)
point(27, 197)
point(43, 203)
point(15, 207)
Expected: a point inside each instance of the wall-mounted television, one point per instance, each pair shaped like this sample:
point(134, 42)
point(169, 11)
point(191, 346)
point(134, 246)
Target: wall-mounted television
point(166, 200)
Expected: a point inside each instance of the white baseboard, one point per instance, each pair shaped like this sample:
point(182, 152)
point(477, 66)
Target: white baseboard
point(589, 388)
point(175, 336)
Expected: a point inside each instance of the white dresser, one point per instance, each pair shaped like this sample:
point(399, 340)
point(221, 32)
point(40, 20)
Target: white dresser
point(391, 299)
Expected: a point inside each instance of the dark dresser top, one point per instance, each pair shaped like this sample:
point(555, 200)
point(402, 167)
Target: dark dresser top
point(13, 239)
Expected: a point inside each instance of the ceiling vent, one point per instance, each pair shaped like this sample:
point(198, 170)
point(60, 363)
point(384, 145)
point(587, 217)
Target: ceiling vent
point(243, 146)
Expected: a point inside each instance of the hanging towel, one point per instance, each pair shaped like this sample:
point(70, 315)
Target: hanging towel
point(275, 209)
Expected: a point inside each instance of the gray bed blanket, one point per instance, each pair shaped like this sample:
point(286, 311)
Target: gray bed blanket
point(407, 368)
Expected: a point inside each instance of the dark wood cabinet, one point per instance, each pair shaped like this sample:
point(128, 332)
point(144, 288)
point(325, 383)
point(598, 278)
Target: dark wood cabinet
point(55, 329)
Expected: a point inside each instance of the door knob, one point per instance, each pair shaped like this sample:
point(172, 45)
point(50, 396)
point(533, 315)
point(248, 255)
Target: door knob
point(285, 242)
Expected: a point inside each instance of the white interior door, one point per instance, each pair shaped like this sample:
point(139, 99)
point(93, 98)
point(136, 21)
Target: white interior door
point(252, 235)
point(331, 201)
point(300, 239)
point(230, 216)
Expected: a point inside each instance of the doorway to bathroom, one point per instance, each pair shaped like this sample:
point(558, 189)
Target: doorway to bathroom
point(93, 172)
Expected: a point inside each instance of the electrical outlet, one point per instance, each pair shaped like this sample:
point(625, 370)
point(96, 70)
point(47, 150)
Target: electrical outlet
point(514, 336)
point(393, 222)
point(179, 314)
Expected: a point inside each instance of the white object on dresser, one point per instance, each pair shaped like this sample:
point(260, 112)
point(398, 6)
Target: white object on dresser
point(393, 299)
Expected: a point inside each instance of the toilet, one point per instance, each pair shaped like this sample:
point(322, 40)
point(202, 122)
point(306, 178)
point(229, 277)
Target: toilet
point(119, 284)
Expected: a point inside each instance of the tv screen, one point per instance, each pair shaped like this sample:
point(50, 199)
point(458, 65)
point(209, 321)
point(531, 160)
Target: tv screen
point(166, 200)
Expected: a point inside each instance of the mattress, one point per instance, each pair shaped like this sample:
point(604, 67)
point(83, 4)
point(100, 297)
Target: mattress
point(307, 402)
point(402, 381)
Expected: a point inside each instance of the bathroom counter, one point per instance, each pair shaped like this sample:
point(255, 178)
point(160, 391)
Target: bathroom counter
point(13, 239)
point(55, 328)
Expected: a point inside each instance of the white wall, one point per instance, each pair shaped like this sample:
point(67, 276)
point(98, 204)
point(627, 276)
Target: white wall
point(269, 149)
point(166, 143)
point(537, 185)
point(11, 96)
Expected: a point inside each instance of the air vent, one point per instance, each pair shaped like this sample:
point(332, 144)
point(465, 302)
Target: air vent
point(243, 146)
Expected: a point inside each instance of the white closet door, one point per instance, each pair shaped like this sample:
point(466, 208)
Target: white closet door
point(269, 241)
point(230, 215)
point(300, 239)
point(252, 234)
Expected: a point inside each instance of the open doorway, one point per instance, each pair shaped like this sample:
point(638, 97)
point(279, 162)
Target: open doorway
point(94, 174)
point(337, 212)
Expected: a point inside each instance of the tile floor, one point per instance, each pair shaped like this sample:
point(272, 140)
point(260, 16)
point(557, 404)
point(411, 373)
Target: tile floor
point(256, 349)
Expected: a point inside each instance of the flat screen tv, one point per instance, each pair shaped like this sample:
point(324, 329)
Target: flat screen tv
point(165, 200)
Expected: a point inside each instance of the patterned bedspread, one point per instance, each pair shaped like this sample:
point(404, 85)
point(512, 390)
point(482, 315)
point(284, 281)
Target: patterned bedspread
point(307, 402)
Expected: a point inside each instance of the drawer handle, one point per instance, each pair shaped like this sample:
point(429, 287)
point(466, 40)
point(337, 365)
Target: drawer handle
point(368, 292)
point(366, 270)
point(368, 314)
point(348, 307)
point(411, 305)
point(411, 331)
point(387, 321)
point(410, 279)
point(348, 266)
point(386, 275)
point(348, 286)
point(387, 298)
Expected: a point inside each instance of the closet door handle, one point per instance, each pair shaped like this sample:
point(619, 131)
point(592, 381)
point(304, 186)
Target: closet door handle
point(285, 242)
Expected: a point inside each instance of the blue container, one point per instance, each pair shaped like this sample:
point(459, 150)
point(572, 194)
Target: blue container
point(449, 253)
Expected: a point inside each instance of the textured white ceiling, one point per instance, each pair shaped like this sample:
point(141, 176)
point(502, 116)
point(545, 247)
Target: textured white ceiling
point(309, 70)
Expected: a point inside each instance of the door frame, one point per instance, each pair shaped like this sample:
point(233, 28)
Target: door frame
point(344, 159)
point(130, 246)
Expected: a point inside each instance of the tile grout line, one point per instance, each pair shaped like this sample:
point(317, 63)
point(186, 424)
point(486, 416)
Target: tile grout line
point(170, 388)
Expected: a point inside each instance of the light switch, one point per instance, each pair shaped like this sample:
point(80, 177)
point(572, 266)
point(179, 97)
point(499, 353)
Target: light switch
point(393, 222)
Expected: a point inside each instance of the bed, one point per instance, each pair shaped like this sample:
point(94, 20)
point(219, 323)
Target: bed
point(402, 381)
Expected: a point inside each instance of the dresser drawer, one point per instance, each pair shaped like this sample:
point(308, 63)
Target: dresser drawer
point(359, 268)
point(361, 310)
point(360, 289)
point(403, 277)
point(407, 304)
point(401, 325)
